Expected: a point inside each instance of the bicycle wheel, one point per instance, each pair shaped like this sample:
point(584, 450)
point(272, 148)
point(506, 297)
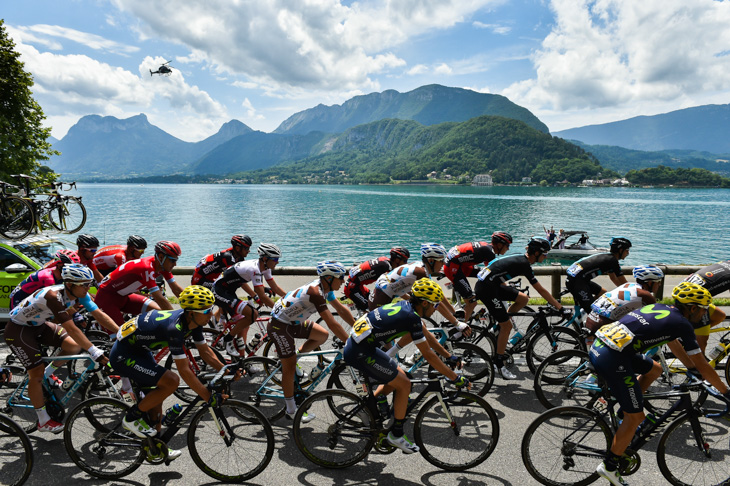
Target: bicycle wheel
point(564, 379)
point(342, 379)
point(96, 441)
point(269, 399)
point(564, 445)
point(477, 366)
point(69, 215)
point(541, 346)
point(99, 387)
point(14, 400)
point(482, 338)
point(16, 218)
point(16, 452)
point(460, 437)
point(682, 460)
point(235, 446)
point(342, 433)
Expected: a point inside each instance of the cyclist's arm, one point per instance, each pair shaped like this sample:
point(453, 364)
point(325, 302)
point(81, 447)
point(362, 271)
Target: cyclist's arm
point(676, 348)
point(275, 288)
point(717, 316)
point(646, 296)
point(332, 323)
point(97, 275)
point(104, 320)
point(247, 288)
point(262, 295)
point(425, 349)
point(342, 311)
point(617, 279)
point(447, 312)
point(547, 295)
point(433, 343)
point(708, 372)
point(189, 377)
point(209, 356)
point(175, 287)
point(161, 300)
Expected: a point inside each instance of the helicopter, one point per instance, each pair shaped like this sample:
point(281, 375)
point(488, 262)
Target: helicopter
point(163, 70)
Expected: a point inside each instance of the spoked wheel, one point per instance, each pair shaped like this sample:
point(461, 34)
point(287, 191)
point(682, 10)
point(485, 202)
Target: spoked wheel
point(14, 400)
point(565, 379)
point(16, 452)
point(235, 445)
point(96, 441)
point(250, 389)
point(69, 216)
point(542, 345)
point(16, 218)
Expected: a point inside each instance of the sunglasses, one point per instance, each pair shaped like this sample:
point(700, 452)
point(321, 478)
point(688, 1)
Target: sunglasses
point(89, 249)
point(436, 305)
point(171, 258)
point(86, 285)
point(275, 260)
point(204, 311)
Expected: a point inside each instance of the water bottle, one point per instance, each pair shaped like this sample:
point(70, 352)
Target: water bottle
point(254, 342)
point(171, 414)
point(715, 352)
point(648, 422)
point(316, 371)
point(517, 336)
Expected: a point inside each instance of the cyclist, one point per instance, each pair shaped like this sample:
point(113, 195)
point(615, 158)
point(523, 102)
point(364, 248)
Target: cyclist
point(462, 259)
point(239, 275)
point(210, 267)
point(617, 356)
point(87, 246)
point(716, 279)
point(289, 321)
point(30, 327)
point(615, 304)
point(367, 272)
point(108, 258)
point(492, 289)
point(44, 277)
point(581, 274)
point(383, 325)
point(131, 357)
point(117, 295)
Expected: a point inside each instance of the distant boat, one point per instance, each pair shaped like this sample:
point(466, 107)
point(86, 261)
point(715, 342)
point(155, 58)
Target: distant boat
point(574, 249)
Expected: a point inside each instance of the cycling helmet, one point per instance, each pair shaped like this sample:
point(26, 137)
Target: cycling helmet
point(691, 294)
point(538, 243)
point(137, 242)
point(619, 243)
point(67, 256)
point(169, 249)
point(331, 269)
point(427, 289)
point(400, 253)
point(196, 297)
point(269, 250)
point(87, 241)
point(501, 237)
point(241, 240)
point(76, 272)
point(648, 272)
point(433, 251)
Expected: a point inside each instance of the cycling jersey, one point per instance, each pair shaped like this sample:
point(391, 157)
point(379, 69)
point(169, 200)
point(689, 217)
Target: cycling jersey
point(470, 253)
point(715, 278)
point(211, 266)
point(590, 267)
point(243, 272)
point(501, 270)
point(110, 257)
point(42, 306)
point(36, 280)
point(362, 275)
point(399, 281)
point(618, 302)
point(133, 276)
point(296, 306)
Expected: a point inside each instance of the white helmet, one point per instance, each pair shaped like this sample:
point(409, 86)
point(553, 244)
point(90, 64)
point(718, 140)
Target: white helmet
point(76, 272)
point(269, 250)
point(332, 269)
point(648, 272)
point(433, 251)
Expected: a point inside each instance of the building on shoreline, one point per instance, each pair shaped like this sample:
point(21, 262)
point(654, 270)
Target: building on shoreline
point(482, 180)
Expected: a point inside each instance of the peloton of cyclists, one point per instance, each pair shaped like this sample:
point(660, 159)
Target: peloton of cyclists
point(716, 279)
point(87, 247)
point(492, 289)
point(462, 259)
point(44, 277)
point(367, 272)
point(30, 327)
point(210, 267)
point(108, 258)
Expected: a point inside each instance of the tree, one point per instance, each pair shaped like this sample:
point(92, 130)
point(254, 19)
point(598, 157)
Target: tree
point(23, 139)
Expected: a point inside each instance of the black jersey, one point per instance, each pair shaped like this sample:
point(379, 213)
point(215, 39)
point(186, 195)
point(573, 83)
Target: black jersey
point(387, 323)
point(590, 267)
point(160, 328)
point(501, 270)
point(210, 267)
point(367, 272)
point(715, 278)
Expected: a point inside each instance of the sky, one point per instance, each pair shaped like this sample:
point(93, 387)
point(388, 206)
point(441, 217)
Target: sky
point(571, 62)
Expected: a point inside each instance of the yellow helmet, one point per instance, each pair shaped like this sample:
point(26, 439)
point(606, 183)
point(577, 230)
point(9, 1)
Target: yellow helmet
point(427, 289)
point(692, 294)
point(196, 297)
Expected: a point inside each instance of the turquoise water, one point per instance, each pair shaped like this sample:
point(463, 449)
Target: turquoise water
point(352, 223)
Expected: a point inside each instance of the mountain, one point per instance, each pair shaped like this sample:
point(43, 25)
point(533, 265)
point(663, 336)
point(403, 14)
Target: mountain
point(702, 128)
point(428, 105)
point(101, 147)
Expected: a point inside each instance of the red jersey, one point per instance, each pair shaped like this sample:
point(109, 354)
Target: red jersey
point(133, 276)
point(110, 257)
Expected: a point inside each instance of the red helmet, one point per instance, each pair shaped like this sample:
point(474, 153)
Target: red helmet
point(168, 248)
point(67, 256)
point(400, 253)
point(501, 237)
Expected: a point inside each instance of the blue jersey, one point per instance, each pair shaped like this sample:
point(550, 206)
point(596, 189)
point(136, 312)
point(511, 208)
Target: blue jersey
point(387, 323)
point(158, 329)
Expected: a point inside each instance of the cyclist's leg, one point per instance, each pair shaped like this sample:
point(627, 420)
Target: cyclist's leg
point(462, 287)
point(283, 335)
point(378, 298)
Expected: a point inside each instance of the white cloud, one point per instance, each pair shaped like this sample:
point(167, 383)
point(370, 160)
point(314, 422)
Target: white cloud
point(613, 53)
point(442, 69)
point(495, 28)
point(92, 41)
point(314, 44)
point(417, 69)
point(251, 113)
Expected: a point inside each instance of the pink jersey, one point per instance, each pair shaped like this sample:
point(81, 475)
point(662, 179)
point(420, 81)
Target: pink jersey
point(133, 276)
point(110, 257)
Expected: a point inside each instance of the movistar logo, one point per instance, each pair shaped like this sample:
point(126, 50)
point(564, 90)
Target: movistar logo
point(163, 315)
point(130, 362)
point(370, 361)
point(660, 313)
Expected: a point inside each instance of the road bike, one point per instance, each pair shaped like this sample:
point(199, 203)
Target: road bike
point(53, 210)
point(16, 214)
point(16, 452)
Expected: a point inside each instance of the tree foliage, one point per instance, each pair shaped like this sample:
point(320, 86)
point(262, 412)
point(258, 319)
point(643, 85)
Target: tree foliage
point(663, 175)
point(23, 139)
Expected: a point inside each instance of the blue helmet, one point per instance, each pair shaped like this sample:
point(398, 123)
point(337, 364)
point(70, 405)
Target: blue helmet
point(331, 269)
point(433, 251)
point(648, 272)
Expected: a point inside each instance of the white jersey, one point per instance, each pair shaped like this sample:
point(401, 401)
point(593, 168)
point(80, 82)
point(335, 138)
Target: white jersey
point(36, 309)
point(398, 281)
point(296, 306)
point(618, 302)
point(249, 271)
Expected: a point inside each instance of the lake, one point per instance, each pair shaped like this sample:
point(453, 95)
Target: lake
point(353, 223)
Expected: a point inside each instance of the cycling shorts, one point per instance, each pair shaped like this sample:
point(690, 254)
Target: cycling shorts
point(137, 364)
point(284, 335)
point(584, 292)
point(374, 362)
point(493, 297)
point(378, 298)
point(620, 370)
point(25, 341)
point(359, 295)
point(228, 301)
